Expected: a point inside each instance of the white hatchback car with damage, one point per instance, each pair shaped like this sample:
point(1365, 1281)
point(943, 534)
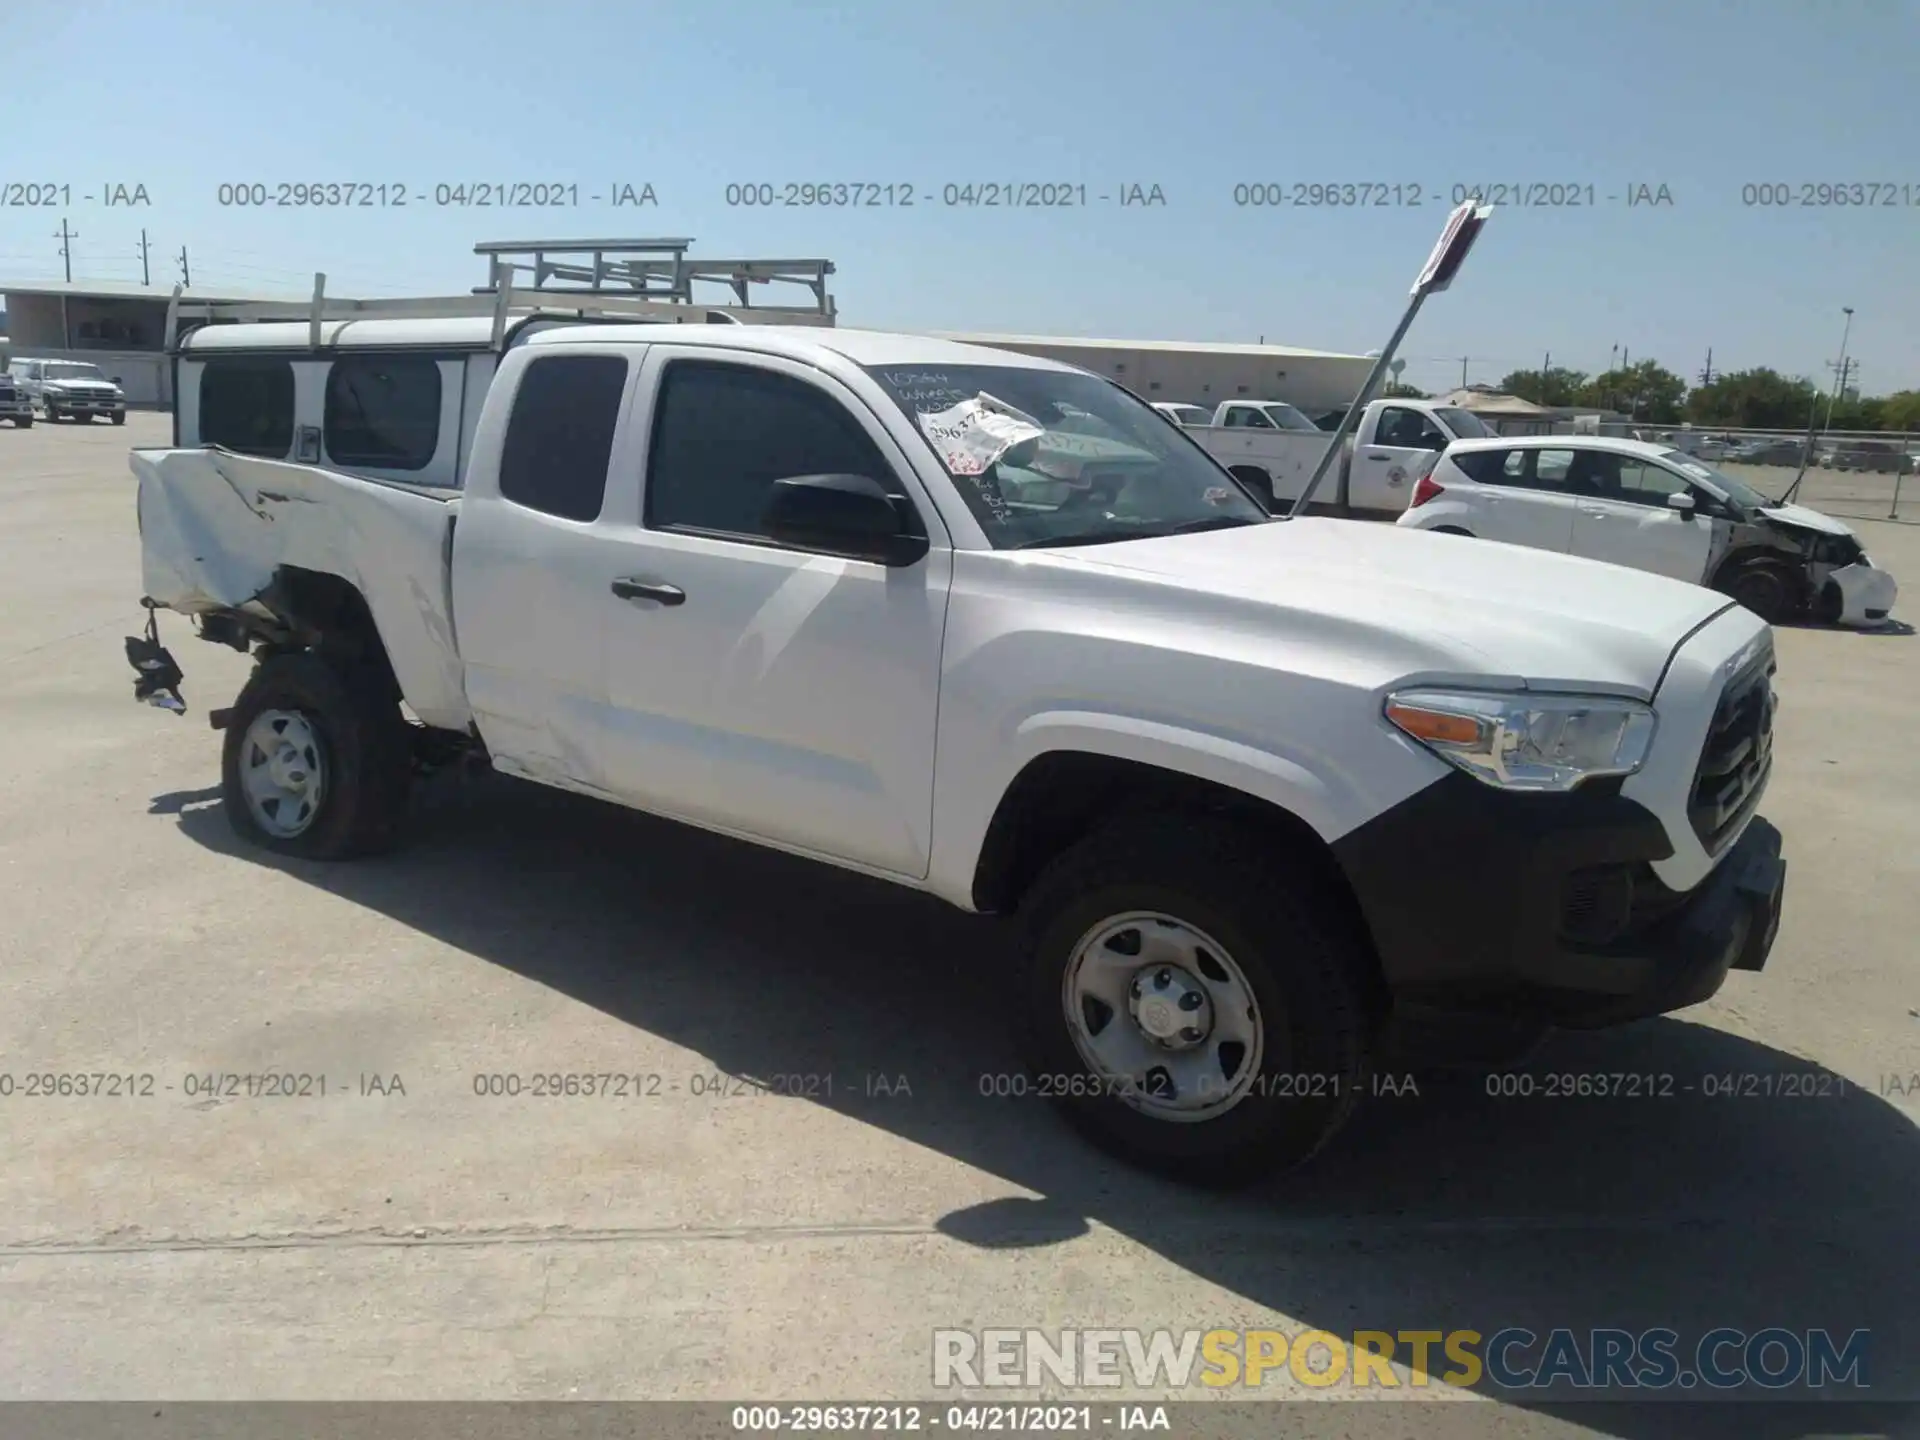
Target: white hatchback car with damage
point(1651, 507)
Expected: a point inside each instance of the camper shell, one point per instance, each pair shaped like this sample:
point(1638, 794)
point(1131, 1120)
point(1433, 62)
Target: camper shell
point(392, 389)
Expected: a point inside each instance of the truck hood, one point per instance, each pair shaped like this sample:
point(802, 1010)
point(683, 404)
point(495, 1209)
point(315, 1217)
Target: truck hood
point(87, 387)
point(1806, 519)
point(1507, 615)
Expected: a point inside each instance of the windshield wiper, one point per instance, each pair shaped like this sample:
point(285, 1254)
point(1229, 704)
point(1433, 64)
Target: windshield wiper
point(1101, 537)
point(1073, 537)
point(1215, 522)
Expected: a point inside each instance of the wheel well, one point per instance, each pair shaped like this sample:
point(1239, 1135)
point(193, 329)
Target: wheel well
point(1259, 479)
point(1452, 530)
point(1062, 797)
point(328, 615)
point(1757, 559)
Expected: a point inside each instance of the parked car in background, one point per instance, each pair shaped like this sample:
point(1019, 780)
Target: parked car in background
point(70, 389)
point(14, 404)
point(1654, 508)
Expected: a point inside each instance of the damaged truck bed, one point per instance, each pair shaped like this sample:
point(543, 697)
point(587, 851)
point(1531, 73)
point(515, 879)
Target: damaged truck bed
point(264, 550)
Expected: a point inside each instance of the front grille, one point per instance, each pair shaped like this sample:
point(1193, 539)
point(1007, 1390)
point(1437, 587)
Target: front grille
point(1736, 757)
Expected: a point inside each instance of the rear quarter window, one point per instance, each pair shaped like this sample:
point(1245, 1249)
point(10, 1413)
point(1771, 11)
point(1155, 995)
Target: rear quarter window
point(246, 405)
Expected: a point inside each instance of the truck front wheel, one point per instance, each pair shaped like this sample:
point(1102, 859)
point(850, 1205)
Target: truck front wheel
point(316, 761)
point(1188, 1006)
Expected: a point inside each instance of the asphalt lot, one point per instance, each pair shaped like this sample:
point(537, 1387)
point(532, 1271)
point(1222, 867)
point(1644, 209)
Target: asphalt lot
point(445, 1244)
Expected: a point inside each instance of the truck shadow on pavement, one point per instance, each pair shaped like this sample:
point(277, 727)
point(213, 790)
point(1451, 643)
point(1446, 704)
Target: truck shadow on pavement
point(1452, 1209)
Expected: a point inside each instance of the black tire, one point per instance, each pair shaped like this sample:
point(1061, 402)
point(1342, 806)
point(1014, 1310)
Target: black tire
point(1301, 960)
point(53, 416)
point(119, 417)
point(23, 422)
point(365, 757)
point(1765, 589)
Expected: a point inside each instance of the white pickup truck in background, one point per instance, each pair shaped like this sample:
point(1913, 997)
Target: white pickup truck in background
point(984, 625)
point(1273, 447)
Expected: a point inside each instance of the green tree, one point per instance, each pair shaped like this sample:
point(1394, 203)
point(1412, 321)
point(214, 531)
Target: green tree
point(1760, 399)
point(1900, 410)
point(1646, 391)
point(1555, 386)
point(1394, 390)
point(1856, 412)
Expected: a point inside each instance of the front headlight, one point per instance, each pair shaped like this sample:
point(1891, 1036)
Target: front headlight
point(1527, 742)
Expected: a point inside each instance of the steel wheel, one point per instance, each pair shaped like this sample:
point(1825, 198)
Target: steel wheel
point(1160, 1012)
point(283, 772)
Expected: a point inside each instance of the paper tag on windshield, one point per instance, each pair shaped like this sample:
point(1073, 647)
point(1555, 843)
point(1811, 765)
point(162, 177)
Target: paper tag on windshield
point(971, 435)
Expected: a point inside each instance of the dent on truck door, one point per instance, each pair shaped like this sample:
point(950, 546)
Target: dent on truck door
point(781, 693)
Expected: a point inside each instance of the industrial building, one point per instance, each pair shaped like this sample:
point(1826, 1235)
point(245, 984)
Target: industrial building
point(119, 327)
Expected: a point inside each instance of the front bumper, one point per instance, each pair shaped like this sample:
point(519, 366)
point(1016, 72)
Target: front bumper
point(1866, 594)
point(1546, 908)
point(86, 404)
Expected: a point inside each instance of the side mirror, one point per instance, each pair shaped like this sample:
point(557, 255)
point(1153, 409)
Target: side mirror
point(851, 515)
point(1682, 502)
point(114, 378)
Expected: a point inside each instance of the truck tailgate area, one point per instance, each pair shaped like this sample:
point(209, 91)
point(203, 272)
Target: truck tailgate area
point(215, 527)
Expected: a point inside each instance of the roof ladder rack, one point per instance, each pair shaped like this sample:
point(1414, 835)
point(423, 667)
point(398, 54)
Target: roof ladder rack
point(643, 281)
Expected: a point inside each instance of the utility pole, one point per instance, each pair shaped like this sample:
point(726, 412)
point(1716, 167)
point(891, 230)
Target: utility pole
point(1706, 375)
point(1840, 368)
point(66, 238)
point(1463, 370)
point(1546, 364)
point(145, 277)
point(186, 275)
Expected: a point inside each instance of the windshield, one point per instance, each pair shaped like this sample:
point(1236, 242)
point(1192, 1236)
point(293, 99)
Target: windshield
point(1741, 493)
point(1054, 457)
point(1288, 418)
point(72, 371)
point(1463, 423)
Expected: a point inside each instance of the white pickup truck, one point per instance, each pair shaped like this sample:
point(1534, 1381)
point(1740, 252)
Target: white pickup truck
point(982, 624)
point(1273, 447)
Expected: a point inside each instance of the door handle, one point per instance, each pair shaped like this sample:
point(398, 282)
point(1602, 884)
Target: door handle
point(632, 589)
point(1379, 457)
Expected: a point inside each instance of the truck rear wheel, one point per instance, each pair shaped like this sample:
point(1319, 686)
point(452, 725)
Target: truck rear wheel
point(316, 761)
point(1187, 1007)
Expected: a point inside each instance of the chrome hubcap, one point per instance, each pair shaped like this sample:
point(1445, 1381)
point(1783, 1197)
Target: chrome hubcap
point(1160, 1012)
point(282, 772)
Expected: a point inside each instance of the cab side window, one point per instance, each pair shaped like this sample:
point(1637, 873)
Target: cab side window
point(724, 433)
point(246, 405)
point(1408, 429)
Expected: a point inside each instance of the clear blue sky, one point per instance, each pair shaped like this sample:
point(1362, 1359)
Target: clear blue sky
point(1703, 96)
